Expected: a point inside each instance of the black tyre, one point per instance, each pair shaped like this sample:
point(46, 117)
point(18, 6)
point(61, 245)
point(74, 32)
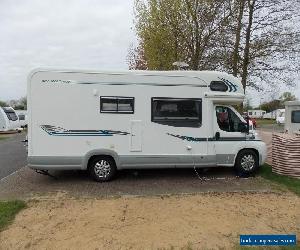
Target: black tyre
point(246, 162)
point(102, 168)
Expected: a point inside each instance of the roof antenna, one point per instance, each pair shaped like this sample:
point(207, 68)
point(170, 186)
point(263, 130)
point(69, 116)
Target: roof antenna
point(181, 65)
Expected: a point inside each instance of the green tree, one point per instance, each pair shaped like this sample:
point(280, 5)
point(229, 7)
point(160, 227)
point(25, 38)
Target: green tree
point(3, 104)
point(176, 30)
point(252, 39)
point(19, 104)
point(266, 42)
point(271, 105)
point(287, 96)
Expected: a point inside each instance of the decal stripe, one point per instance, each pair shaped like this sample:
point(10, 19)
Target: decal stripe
point(126, 83)
point(58, 131)
point(199, 139)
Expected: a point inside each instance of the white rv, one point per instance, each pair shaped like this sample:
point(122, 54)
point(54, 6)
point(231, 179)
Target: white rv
point(292, 122)
point(8, 119)
point(23, 119)
point(106, 121)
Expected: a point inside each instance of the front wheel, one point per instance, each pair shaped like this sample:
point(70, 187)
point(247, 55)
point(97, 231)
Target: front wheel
point(246, 162)
point(102, 168)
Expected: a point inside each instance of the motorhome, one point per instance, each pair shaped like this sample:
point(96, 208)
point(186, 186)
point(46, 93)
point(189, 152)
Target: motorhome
point(292, 113)
point(23, 119)
point(8, 119)
point(106, 121)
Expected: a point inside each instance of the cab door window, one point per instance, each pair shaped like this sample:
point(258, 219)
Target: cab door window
point(227, 120)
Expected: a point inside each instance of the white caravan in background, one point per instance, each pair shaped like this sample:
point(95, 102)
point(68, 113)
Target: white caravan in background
point(23, 118)
point(106, 121)
point(292, 121)
point(280, 119)
point(8, 119)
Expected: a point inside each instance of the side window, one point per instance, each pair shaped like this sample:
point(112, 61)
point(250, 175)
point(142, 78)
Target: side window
point(296, 116)
point(227, 120)
point(21, 117)
point(177, 112)
point(10, 113)
point(116, 104)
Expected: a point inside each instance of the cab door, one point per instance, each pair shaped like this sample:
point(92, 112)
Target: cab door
point(230, 134)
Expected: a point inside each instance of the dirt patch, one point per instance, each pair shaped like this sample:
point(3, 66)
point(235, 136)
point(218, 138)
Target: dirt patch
point(200, 221)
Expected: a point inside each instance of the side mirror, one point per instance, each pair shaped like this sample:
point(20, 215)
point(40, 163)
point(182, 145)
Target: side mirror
point(243, 128)
point(217, 136)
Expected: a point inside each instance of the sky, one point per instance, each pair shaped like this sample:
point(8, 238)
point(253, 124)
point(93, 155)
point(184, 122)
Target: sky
point(87, 34)
point(83, 34)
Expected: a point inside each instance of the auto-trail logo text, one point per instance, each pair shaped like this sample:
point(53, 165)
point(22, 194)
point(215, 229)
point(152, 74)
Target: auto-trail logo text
point(56, 81)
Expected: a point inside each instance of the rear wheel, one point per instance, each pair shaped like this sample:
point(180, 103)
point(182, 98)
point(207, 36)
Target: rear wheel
point(246, 162)
point(102, 168)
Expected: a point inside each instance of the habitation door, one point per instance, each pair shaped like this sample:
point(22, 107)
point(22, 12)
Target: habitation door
point(136, 136)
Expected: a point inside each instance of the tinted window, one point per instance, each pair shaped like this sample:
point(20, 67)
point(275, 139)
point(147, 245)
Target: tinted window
point(114, 104)
point(21, 117)
point(218, 86)
point(227, 120)
point(296, 116)
point(11, 115)
point(177, 112)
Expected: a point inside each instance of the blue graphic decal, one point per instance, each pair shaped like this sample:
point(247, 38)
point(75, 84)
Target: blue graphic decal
point(232, 86)
point(201, 139)
point(188, 138)
point(58, 131)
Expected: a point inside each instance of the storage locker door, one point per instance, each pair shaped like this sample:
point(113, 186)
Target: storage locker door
point(136, 136)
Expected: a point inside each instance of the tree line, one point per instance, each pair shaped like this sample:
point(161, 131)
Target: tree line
point(19, 104)
point(256, 40)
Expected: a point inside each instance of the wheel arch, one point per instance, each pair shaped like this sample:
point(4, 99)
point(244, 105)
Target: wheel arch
point(248, 148)
point(100, 152)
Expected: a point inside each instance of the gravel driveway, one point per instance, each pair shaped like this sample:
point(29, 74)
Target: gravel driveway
point(28, 184)
point(13, 154)
point(25, 183)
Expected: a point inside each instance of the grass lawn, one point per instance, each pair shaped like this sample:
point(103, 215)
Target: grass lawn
point(8, 210)
point(292, 184)
point(265, 121)
point(2, 137)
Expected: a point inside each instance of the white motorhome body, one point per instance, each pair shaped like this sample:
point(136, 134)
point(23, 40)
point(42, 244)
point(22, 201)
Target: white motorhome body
point(8, 119)
point(136, 119)
point(292, 115)
point(23, 118)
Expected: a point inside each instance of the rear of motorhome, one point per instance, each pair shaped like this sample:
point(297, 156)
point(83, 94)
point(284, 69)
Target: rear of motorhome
point(8, 119)
point(107, 121)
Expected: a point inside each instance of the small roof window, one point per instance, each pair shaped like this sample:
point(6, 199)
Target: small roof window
point(218, 86)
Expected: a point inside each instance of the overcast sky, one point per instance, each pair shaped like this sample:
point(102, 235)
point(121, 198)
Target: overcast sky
point(91, 34)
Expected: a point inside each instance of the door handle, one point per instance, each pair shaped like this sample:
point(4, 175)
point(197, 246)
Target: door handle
point(189, 147)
